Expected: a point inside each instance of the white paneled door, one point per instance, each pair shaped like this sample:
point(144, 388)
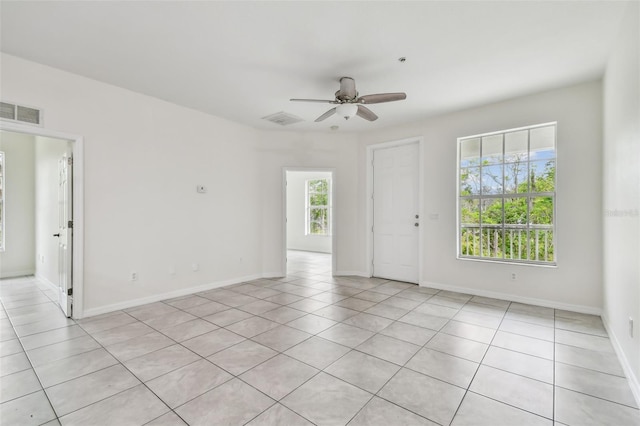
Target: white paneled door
point(396, 212)
point(65, 232)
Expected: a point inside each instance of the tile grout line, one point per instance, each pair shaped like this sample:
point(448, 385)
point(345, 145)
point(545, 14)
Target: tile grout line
point(467, 390)
point(119, 362)
point(141, 382)
point(55, 414)
point(376, 394)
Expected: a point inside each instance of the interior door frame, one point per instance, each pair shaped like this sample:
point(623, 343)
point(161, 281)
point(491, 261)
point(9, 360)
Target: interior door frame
point(369, 229)
point(333, 225)
point(77, 150)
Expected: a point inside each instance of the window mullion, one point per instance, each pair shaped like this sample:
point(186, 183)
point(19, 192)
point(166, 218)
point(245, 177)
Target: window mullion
point(480, 203)
point(528, 195)
point(503, 197)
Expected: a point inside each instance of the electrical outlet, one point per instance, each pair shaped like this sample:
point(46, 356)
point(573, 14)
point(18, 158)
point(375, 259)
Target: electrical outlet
point(631, 327)
point(134, 276)
point(195, 267)
point(513, 276)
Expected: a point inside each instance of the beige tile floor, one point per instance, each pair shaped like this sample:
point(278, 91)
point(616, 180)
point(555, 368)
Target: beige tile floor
point(308, 349)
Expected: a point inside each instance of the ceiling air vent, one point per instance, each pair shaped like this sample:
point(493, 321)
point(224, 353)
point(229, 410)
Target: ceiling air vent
point(20, 113)
point(282, 118)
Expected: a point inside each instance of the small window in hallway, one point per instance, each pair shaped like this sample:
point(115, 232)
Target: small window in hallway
point(318, 208)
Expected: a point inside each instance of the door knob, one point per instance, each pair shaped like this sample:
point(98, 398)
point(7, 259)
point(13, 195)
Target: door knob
point(416, 224)
point(56, 235)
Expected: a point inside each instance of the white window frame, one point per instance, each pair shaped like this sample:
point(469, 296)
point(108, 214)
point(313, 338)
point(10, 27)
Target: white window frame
point(308, 207)
point(527, 227)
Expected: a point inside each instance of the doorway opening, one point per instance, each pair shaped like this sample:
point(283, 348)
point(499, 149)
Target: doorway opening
point(43, 224)
point(308, 222)
point(394, 210)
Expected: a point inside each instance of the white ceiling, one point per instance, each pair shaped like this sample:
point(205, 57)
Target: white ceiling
point(244, 60)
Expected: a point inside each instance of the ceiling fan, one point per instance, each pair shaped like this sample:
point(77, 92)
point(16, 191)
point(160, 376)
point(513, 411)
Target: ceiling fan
point(350, 103)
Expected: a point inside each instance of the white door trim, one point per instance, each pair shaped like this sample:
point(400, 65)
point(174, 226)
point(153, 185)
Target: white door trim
point(369, 229)
point(333, 226)
point(78, 203)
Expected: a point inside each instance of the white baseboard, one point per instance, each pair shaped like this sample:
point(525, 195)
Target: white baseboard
point(16, 274)
point(634, 383)
point(351, 273)
point(45, 280)
point(309, 250)
point(164, 296)
point(273, 275)
point(514, 298)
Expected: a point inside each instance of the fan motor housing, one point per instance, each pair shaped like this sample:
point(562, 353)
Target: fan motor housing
point(347, 90)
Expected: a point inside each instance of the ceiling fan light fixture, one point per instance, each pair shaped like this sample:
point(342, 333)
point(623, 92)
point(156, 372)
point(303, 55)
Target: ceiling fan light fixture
point(350, 103)
point(347, 110)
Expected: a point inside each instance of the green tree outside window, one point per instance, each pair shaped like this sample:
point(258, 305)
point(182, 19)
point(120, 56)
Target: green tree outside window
point(318, 207)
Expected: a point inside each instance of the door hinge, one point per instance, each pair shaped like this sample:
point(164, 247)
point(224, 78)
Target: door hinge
point(70, 224)
point(69, 292)
point(372, 229)
point(70, 161)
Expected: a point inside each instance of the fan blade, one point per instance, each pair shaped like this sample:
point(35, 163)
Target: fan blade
point(366, 113)
point(323, 101)
point(379, 98)
point(326, 115)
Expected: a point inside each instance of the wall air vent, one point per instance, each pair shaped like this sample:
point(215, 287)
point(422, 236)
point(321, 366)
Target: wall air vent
point(7, 111)
point(20, 113)
point(282, 118)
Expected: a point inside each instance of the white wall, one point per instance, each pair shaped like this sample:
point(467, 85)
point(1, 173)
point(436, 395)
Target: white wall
point(47, 153)
point(297, 238)
point(621, 194)
point(576, 282)
point(19, 256)
point(143, 159)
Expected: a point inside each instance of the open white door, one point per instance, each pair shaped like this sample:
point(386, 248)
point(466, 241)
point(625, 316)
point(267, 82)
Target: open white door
point(65, 233)
point(396, 212)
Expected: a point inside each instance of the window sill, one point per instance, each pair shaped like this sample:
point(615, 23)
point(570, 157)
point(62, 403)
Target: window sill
point(508, 262)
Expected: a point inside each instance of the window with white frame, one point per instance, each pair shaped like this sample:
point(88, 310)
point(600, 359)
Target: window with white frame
point(507, 195)
point(2, 185)
point(318, 207)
